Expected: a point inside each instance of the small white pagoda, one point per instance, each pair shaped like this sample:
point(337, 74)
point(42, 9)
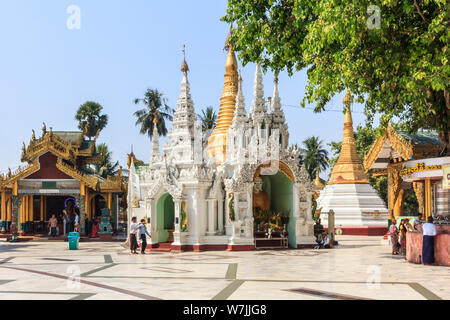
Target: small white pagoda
point(357, 206)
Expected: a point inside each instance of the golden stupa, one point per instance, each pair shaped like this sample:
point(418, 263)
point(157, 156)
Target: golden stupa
point(218, 140)
point(348, 168)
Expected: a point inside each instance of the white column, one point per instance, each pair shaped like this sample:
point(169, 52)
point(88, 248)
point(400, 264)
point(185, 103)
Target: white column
point(177, 231)
point(220, 216)
point(153, 222)
point(211, 230)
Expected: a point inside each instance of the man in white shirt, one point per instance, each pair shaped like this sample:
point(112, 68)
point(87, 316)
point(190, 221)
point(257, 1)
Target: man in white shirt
point(429, 232)
point(133, 230)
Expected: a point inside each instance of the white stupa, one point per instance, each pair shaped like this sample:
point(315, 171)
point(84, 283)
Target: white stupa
point(357, 206)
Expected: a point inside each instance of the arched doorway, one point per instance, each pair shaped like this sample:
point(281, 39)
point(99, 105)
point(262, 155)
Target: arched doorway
point(280, 190)
point(165, 218)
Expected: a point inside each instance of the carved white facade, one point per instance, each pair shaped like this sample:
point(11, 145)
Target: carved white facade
point(208, 191)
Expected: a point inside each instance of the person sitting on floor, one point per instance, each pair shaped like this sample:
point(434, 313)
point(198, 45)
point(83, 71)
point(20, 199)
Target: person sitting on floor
point(318, 228)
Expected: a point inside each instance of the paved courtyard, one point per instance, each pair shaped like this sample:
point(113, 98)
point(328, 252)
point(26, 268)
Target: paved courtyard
point(359, 268)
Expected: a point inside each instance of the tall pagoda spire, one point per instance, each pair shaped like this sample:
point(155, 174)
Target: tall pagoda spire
point(217, 141)
point(348, 168)
point(184, 115)
point(240, 115)
point(155, 143)
point(258, 103)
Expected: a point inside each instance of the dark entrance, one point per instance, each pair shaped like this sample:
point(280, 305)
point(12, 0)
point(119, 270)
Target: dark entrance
point(55, 205)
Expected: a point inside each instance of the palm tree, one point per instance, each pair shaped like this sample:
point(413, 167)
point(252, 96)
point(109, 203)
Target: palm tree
point(155, 106)
point(208, 119)
point(89, 113)
point(314, 156)
point(106, 167)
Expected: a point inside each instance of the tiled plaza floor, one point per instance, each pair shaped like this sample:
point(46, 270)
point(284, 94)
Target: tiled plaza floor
point(359, 268)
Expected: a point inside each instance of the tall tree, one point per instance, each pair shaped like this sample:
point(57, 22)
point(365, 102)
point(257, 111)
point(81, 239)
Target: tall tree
point(208, 119)
point(107, 167)
point(392, 54)
point(155, 106)
point(315, 157)
point(90, 113)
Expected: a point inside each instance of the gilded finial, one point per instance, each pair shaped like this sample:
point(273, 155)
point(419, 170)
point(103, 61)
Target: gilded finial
point(33, 135)
point(348, 99)
point(9, 173)
point(44, 128)
point(184, 66)
point(227, 40)
point(23, 147)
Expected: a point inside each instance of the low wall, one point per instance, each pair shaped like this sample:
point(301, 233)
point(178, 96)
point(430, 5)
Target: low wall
point(441, 246)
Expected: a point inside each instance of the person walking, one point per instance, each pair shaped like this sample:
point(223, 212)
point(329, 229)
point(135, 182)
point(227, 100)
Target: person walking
point(393, 232)
point(143, 233)
point(429, 232)
point(133, 230)
point(53, 223)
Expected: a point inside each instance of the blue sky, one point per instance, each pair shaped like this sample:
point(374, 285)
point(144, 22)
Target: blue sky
point(123, 47)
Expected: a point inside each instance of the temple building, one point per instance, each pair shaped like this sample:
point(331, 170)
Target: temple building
point(56, 177)
point(357, 206)
point(239, 189)
point(411, 161)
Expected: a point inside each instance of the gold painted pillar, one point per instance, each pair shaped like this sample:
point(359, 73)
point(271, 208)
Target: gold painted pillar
point(394, 188)
point(427, 198)
point(31, 208)
point(42, 209)
point(3, 206)
point(398, 208)
point(9, 209)
point(419, 190)
point(110, 201)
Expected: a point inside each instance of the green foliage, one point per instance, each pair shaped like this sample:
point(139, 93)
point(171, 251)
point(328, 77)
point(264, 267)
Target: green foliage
point(90, 112)
point(208, 119)
point(400, 68)
point(106, 167)
point(155, 106)
point(315, 157)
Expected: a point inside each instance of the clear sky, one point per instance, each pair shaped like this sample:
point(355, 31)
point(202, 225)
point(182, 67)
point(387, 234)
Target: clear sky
point(123, 47)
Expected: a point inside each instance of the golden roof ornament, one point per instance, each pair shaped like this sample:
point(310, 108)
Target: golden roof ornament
point(348, 168)
point(348, 99)
point(184, 66)
point(44, 128)
point(317, 181)
point(33, 135)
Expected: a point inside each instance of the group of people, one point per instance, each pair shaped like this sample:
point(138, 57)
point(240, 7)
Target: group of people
point(63, 224)
point(398, 237)
point(138, 230)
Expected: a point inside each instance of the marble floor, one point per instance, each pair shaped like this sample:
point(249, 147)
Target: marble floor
point(359, 268)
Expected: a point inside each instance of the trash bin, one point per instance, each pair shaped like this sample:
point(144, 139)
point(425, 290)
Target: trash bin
point(74, 239)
